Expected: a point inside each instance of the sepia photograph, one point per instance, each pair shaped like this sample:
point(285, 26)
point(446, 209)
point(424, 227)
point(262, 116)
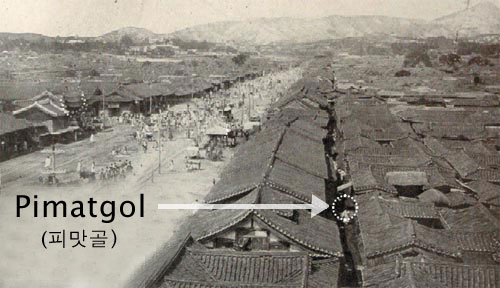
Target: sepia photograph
point(250, 143)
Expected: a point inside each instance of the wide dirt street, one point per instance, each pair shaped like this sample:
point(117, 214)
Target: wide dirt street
point(137, 238)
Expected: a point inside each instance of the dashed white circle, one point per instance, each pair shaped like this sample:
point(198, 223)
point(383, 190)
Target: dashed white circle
point(340, 198)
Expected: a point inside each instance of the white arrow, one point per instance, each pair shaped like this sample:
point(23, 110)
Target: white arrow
point(316, 207)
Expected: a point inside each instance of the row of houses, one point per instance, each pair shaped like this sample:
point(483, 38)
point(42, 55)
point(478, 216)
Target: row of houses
point(58, 116)
point(426, 179)
point(288, 161)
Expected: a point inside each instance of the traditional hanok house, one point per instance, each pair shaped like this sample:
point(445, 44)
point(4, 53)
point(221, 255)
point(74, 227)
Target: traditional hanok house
point(121, 100)
point(285, 147)
point(383, 234)
point(467, 165)
point(16, 136)
point(431, 275)
point(155, 96)
point(185, 263)
point(423, 213)
point(475, 218)
point(306, 95)
point(408, 183)
point(49, 110)
point(405, 240)
point(477, 232)
point(367, 175)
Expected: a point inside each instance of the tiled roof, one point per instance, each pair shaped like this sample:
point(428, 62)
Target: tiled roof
point(324, 273)
point(485, 191)
point(415, 210)
point(475, 218)
point(317, 234)
point(487, 241)
point(304, 153)
point(47, 106)
point(458, 199)
point(462, 163)
point(461, 276)
point(9, 123)
point(298, 183)
point(240, 269)
point(408, 234)
point(431, 275)
point(490, 175)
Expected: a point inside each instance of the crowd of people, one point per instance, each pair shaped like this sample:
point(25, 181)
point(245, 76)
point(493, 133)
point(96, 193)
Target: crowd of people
point(116, 170)
point(226, 109)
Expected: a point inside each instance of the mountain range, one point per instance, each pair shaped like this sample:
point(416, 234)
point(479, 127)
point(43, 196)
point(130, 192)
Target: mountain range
point(483, 18)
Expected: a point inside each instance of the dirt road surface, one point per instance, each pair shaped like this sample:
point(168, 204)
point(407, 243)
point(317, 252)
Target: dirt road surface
point(26, 263)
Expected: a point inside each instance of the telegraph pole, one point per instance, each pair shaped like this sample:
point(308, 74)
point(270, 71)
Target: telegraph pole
point(159, 148)
point(103, 105)
point(54, 158)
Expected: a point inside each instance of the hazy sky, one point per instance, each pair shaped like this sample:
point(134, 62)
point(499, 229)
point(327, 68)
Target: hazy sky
point(96, 17)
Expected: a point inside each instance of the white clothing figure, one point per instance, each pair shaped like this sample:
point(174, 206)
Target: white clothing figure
point(48, 162)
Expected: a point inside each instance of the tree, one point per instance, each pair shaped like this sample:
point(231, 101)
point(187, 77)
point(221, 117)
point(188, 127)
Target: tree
point(240, 59)
point(126, 41)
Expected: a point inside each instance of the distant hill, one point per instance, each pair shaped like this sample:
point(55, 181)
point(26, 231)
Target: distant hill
point(269, 30)
point(136, 34)
point(484, 18)
point(481, 19)
point(33, 37)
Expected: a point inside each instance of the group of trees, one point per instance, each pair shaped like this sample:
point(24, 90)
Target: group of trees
point(483, 49)
point(58, 46)
point(240, 59)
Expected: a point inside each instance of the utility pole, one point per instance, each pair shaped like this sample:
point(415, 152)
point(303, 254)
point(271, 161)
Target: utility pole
point(249, 106)
point(54, 158)
point(242, 109)
point(103, 105)
point(159, 148)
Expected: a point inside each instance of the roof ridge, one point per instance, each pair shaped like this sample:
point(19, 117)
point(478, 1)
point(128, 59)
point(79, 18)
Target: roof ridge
point(270, 223)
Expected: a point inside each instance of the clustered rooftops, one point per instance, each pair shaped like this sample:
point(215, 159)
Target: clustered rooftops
point(426, 181)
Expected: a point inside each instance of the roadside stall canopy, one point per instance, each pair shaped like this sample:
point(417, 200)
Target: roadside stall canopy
point(217, 131)
point(192, 151)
